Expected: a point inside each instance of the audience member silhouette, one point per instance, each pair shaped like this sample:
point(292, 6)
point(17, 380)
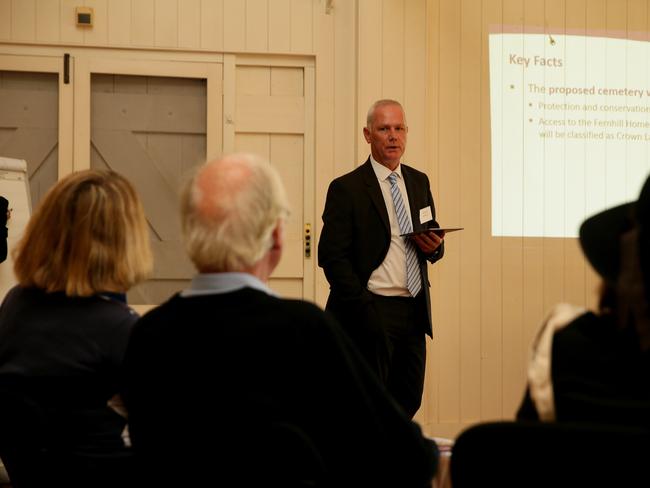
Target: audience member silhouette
point(226, 380)
point(595, 367)
point(64, 330)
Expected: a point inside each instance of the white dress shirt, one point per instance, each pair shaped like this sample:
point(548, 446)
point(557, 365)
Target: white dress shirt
point(389, 279)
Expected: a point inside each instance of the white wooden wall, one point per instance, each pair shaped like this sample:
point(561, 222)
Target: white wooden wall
point(278, 26)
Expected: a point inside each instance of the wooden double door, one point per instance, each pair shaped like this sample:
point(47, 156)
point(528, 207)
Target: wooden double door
point(154, 120)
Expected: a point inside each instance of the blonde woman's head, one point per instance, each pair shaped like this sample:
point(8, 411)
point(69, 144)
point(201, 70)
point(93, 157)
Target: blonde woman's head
point(88, 235)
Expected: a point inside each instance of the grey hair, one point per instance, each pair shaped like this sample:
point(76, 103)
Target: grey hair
point(370, 117)
point(230, 227)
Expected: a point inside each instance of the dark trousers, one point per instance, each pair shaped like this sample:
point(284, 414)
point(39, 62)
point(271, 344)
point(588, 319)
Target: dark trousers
point(401, 356)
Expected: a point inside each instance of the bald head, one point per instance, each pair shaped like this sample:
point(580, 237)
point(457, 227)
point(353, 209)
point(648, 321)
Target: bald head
point(230, 209)
point(219, 182)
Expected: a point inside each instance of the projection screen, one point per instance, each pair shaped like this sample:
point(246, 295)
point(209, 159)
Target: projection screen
point(570, 122)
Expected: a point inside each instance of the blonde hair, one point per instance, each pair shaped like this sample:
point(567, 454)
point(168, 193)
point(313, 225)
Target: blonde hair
point(230, 208)
point(370, 117)
point(88, 235)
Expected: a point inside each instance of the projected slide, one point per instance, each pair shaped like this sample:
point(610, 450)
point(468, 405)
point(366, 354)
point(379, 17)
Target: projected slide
point(570, 122)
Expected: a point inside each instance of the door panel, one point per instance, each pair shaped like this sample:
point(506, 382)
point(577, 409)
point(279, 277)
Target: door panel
point(153, 131)
point(29, 122)
point(35, 125)
point(271, 119)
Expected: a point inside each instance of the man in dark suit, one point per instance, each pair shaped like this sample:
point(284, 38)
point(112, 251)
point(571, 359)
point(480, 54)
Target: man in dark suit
point(227, 381)
point(379, 289)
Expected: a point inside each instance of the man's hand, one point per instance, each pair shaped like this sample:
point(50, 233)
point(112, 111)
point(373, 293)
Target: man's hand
point(428, 242)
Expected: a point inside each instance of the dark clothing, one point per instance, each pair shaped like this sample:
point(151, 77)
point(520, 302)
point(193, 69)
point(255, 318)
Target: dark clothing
point(4, 207)
point(210, 378)
point(599, 375)
point(63, 355)
point(354, 241)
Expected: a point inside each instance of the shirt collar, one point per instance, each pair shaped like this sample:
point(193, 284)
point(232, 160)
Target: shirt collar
point(217, 283)
point(382, 172)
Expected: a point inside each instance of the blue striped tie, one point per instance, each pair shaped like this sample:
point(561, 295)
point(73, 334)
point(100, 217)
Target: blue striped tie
point(413, 280)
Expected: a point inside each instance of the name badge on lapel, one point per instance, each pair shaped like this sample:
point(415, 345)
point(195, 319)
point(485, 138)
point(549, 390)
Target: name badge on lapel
point(425, 214)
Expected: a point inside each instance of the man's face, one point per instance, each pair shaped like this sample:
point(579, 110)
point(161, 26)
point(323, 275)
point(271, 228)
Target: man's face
point(387, 135)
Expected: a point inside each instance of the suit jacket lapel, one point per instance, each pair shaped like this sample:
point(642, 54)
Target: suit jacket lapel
point(372, 187)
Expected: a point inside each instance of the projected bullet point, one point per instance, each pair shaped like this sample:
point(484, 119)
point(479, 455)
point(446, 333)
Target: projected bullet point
point(512, 87)
point(530, 120)
point(530, 104)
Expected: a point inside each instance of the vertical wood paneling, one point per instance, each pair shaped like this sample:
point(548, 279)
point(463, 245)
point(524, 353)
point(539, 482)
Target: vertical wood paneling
point(596, 23)
point(280, 32)
point(309, 175)
point(554, 259)
point(229, 97)
point(637, 19)
point(142, 23)
point(469, 212)
point(348, 125)
point(575, 268)
point(512, 266)
point(257, 25)
point(212, 24)
point(325, 49)
point(533, 273)
point(70, 33)
point(412, 82)
point(23, 20)
point(234, 25)
point(533, 306)
point(447, 207)
point(47, 20)
point(491, 249)
point(215, 111)
point(576, 25)
point(98, 34)
point(119, 22)
point(525, 305)
point(369, 64)
point(392, 49)
point(301, 26)
point(430, 401)
point(189, 22)
point(5, 19)
point(166, 23)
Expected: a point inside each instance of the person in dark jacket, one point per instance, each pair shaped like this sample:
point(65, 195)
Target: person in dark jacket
point(228, 381)
point(64, 330)
point(595, 366)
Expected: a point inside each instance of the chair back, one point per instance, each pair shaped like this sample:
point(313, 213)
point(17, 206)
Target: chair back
point(38, 452)
point(537, 454)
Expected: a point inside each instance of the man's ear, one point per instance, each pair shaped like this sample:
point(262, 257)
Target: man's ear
point(278, 237)
point(366, 134)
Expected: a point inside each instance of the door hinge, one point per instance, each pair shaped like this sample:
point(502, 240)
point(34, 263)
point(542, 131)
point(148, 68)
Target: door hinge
point(66, 69)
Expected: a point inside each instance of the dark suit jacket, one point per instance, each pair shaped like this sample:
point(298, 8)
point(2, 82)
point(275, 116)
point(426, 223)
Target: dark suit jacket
point(209, 379)
point(356, 237)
